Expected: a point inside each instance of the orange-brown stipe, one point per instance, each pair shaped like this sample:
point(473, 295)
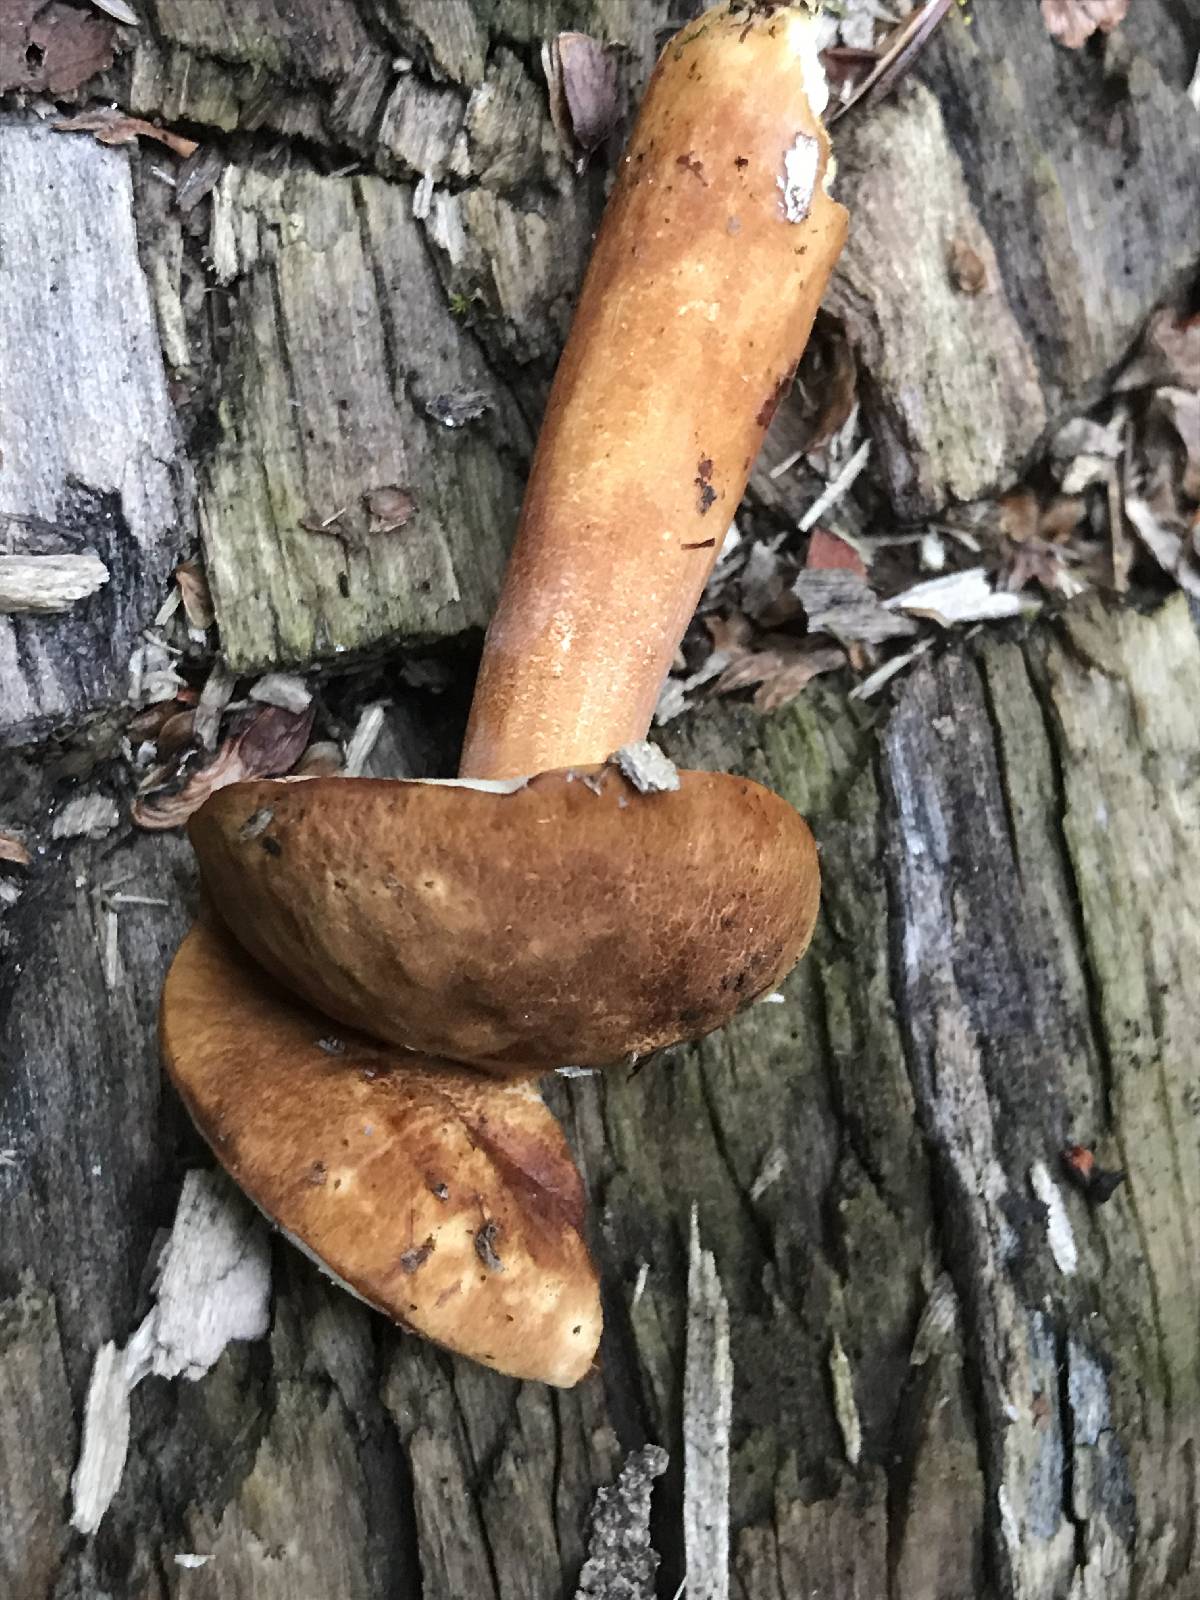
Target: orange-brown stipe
point(715, 249)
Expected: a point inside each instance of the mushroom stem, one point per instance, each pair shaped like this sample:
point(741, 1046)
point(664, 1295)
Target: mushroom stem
point(709, 266)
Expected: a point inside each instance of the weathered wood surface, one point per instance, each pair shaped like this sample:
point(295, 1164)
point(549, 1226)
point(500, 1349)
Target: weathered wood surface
point(1008, 956)
point(91, 460)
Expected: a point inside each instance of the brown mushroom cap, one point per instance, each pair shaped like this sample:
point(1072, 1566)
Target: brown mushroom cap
point(447, 1200)
point(572, 920)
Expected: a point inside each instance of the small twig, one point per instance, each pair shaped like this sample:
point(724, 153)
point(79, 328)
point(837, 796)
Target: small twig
point(897, 57)
point(838, 489)
point(362, 741)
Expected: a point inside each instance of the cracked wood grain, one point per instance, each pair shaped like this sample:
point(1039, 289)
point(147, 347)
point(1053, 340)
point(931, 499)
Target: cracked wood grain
point(1007, 953)
point(344, 359)
point(845, 1148)
point(90, 465)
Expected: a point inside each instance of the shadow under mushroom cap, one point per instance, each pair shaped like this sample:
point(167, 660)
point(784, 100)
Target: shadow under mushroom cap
point(445, 1199)
point(570, 920)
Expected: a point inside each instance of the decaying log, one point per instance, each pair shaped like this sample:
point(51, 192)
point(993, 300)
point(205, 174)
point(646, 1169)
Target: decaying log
point(952, 1373)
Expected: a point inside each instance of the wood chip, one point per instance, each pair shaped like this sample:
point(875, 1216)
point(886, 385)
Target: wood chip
point(46, 584)
point(959, 597)
point(879, 679)
point(1167, 547)
point(845, 1406)
point(321, 760)
point(363, 740)
point(213, 1287)
point(197, 177)
point(1059, 1234)
point(843, 604)
point(707, 1421)
point(87, 816)
point(284, 689)
point(1180, 409)
point(214, 697)
point(938, 1323)
point(840, 487)
point(646, 767)
point(621, 1562)
point(119, 11)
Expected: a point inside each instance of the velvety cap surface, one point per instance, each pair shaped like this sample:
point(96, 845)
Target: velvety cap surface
point(446, 1199)
point(571, 921)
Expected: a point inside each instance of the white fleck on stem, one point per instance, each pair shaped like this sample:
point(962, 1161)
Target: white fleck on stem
point(798, 180)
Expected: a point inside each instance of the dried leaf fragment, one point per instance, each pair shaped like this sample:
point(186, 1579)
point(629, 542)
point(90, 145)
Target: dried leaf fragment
point(112, 126)
point(194, 593)
point(1180, 408)
point(1170, 354)
point(828, 553)
point(12, 850)
point(390, 507)
point(967, 268)
point(265, 743)
point(581, 78)
point(52, 48)
point(1073, 22)
point(782, 670)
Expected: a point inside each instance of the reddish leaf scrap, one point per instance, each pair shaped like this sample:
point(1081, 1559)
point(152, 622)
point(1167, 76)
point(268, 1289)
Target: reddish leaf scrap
point(52, 48)
point(1073, 22)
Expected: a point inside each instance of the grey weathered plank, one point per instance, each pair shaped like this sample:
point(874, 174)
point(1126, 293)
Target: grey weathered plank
point(89, 455)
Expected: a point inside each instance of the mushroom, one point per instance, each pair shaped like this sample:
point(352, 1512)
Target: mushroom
point(446, 1199)
point(551, 905)
point(569, 918)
